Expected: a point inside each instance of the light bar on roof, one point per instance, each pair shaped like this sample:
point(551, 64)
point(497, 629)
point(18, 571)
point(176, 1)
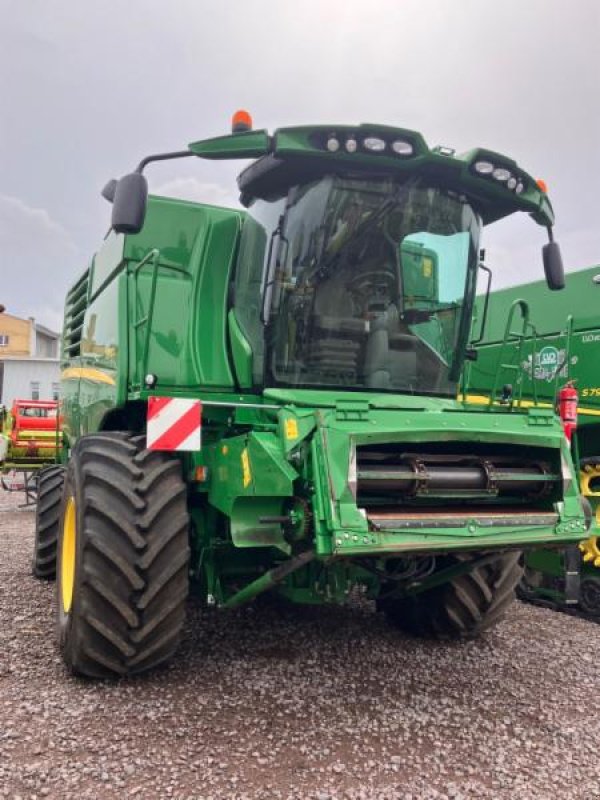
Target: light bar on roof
point(372, 143)
point(485, 168)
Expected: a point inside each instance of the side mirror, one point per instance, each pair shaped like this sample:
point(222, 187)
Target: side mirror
point(108, 193)
point(129, 203)
point(553, 266)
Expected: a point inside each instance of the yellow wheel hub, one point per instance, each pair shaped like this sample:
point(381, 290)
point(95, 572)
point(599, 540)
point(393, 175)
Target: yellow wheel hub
point(591, 551)
point(588, 482)
point(67, 562)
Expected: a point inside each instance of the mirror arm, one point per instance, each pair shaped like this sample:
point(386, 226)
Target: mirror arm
point(129, 195)
point(163, 157)
point(485, 303)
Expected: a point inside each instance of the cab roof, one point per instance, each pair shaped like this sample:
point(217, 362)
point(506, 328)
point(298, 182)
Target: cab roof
point(494, 184)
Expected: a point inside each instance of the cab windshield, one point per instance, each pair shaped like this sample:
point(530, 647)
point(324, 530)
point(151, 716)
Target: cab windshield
point(368, 284)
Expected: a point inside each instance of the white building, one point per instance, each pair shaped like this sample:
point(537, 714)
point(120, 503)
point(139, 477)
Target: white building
point(29, 360)
point(29, 378)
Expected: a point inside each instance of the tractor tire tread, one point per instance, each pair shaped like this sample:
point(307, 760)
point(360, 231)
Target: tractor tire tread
point(134, 559)
point(464, 607)
point(47, 518)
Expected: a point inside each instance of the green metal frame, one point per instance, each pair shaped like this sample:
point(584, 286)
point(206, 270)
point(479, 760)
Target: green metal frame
point(576, 334)
point(270, 494)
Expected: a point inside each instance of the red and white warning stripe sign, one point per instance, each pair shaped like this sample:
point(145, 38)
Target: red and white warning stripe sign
point(173, 423)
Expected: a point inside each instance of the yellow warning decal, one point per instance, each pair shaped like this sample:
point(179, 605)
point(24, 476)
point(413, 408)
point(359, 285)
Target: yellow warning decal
point(481, 399)
point(246, 474)
point(88, 374)
point(291, 428)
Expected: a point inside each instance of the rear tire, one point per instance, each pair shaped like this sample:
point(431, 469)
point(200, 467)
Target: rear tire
point(531, 581)
point(122, 558)
point(464, 607)
point(50, 482)
point(589, 597)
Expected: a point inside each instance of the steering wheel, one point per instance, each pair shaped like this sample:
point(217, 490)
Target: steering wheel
point(367, 280)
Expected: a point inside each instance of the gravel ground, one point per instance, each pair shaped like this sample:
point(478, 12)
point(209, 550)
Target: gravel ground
point(297, 703)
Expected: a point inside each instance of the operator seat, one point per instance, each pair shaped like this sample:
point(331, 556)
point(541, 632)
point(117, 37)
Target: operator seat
point(337, 336)
point(391, 353)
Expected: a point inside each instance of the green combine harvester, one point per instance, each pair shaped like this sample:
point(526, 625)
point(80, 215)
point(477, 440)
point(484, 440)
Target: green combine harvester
point(266, 400)
point(550, 342)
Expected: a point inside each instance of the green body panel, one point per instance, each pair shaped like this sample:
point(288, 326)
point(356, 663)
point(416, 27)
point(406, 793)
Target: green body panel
point(103, 374)
point(187, 342)
point(549, 314)
point(246, 467)
point(248, 144)
point(187, 339)
point(349, 533)
point(251, 479)
point(94, 381)
point(566, 346)
point(549, 309)
point(241, 353)
point(277, 492)
point(258, 465)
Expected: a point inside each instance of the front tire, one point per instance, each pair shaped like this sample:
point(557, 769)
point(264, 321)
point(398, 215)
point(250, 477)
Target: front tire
point(47, 515)
point(464, 607)
point(122, 557)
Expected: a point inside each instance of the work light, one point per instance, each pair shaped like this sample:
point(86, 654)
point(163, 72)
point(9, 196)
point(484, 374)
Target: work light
point(374, 143)
point(501, 174)
point(402, 148)
point(484, 167)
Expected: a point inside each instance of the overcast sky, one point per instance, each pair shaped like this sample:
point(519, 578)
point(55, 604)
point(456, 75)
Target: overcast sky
point(87, 87)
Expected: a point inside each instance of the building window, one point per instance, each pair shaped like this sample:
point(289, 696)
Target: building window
point(35, 390)
point(4, 339)
point(55, 391)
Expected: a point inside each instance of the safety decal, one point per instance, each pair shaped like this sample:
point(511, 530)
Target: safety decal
point(173, 424)
point(291, 428)
point(246, 473)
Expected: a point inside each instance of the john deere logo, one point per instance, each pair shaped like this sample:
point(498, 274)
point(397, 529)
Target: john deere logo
point(548, 358)
point(548, 361)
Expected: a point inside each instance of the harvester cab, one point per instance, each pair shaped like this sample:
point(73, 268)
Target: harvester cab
point(319, 338)
point(366, 239)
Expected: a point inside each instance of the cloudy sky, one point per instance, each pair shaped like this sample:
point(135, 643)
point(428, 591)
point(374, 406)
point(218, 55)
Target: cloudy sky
point(87, 87)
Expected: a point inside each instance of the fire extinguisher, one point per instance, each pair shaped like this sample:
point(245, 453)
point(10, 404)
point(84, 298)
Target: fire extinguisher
point(567, 408)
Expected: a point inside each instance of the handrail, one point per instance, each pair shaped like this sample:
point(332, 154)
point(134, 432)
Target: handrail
point(152, 257)
point(568, 332)
point(521, 335)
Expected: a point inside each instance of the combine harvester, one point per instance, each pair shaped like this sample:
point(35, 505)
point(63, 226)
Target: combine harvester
point(543, 349)
point(265, 400)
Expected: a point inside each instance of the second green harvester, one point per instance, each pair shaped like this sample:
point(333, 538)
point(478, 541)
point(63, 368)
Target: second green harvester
point(266, 399)
point(554, 340)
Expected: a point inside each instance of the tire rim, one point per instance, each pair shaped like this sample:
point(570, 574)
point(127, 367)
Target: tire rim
point(591, 550)
point(67, 562)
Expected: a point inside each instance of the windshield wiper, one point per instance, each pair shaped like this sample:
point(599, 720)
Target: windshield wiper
point(368, 223)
